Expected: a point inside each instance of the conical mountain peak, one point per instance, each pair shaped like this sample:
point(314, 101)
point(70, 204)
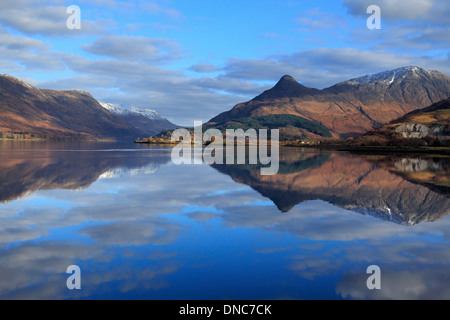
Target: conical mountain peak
point(287, 86)
point(287, 78)
point(288, 81)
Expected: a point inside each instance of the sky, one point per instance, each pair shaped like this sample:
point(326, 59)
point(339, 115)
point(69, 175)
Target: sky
point(191, 60)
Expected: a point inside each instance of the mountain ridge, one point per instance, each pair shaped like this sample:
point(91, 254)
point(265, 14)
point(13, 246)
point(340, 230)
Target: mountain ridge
point(149, 113)
point(394, 74)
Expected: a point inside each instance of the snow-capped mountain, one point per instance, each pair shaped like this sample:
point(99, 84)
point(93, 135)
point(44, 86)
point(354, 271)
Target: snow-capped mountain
point(144, 119)
point(392, 76)
point(132, 110)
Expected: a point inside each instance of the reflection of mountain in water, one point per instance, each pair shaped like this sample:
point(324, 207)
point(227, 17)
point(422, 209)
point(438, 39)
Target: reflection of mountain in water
point(124, 172)
point(345, 181)
point(23, 172)
point(434, 173)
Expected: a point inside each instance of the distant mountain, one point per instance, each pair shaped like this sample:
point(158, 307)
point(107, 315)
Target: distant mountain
point(65, 115)
point(426, 126)
point(146, 120)
point(349, 108)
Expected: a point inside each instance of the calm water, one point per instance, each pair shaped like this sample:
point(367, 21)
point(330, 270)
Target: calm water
point(140, 227)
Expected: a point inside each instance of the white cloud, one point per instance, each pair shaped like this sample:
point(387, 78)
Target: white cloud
point(18, 52)
point(155, 8)
point(157, 232)
point(205, 68)
point(321, 67)
point(395, 9)
point(33, 18)
point(316, 18)
point(135, 48)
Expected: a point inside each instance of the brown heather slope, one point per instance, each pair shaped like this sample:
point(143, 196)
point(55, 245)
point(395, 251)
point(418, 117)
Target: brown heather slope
point(353, 107)
point(428, 126)
point(66, 115)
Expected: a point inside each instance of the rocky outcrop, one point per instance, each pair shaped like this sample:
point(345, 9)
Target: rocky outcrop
point(419, 131)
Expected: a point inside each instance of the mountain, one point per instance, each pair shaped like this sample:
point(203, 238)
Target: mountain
point(349, 108)
point(67, 115)
point(146, 120)
point(426, 126)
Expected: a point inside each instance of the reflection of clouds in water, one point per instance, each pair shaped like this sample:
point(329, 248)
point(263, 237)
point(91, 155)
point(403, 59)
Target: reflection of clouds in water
point(426, 284)
point(37, 267)
point(38, 271)
point(133, 233)
point(362, 241)
point(127, 278)
point(27, 224)
point(120, 172)
point(411, 268)
point(309, 267)
point(315, 220)
point(409, 271)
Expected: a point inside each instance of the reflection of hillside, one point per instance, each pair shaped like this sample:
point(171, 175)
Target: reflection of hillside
point(292, 160)
point(433, 173)
point(348, 182)
point(24, 172)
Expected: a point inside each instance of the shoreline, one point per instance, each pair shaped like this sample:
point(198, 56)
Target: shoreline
point(379, 149)
point(386, 150)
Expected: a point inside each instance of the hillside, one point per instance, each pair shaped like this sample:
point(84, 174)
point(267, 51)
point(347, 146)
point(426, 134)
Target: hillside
point(350, 108)
point(64, 115)
point(291, 127)
point(428, 126)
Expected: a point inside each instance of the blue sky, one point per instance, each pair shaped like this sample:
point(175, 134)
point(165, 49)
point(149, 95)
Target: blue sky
point(190, 60)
